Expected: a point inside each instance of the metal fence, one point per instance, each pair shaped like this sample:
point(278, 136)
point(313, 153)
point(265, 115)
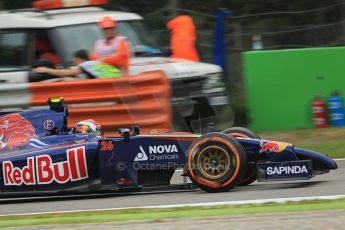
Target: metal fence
point(320, 27)
point(316, 27)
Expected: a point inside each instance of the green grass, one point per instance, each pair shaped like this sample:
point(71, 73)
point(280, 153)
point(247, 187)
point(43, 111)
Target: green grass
point(335, 149)
point(159, 214)
point(330, 141)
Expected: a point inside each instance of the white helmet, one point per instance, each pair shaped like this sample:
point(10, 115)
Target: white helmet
point(89, 126)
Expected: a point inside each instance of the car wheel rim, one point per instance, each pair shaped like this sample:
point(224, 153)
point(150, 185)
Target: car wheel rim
point(213, 162)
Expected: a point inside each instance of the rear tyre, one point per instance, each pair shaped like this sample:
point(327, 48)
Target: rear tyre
point(216, 162)
point(240, 132)
point(251, 174)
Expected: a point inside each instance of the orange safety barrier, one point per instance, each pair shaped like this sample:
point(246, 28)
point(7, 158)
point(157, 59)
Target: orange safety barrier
point(143, 100)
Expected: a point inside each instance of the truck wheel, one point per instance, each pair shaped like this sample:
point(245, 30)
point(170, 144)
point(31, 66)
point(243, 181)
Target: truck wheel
point(216, 162)
point(251, 174)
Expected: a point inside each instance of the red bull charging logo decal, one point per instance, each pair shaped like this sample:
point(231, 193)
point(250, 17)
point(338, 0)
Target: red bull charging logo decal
point(15, 131)
point(42, 170)
point(273, 146)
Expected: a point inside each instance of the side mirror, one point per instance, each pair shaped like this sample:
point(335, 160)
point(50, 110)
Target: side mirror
point(136, 130)
point(125, 133)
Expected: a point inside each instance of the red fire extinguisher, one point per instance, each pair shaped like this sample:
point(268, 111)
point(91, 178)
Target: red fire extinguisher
point(319, 112)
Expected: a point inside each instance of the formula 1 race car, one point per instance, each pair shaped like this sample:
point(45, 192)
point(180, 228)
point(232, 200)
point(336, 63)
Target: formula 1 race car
point(40, 154)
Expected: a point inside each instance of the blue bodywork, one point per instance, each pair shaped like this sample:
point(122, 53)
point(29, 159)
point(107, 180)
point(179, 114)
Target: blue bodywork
point(54, 159)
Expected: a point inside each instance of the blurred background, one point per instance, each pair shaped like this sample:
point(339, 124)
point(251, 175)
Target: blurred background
point(248, 25)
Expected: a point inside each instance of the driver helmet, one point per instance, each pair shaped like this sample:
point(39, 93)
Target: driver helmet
point(89, 126)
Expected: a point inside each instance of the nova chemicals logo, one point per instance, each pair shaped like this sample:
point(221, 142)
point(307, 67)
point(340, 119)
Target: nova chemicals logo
point(158, 152)
point(163, 149)
point(141, 156)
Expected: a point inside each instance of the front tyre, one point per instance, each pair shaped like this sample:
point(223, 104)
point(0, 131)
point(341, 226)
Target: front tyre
point(216, 162)
point(251, 173)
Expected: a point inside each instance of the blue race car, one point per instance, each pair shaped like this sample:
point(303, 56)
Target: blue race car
point(40, 154)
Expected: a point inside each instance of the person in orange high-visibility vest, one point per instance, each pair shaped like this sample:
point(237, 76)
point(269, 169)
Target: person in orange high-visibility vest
point(114, 49)
point(183, 37)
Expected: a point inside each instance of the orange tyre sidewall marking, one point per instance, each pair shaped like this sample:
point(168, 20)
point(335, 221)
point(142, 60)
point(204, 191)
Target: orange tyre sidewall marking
point(211, 183)
point(190, 157)
point(244, 136)
point(237, 135)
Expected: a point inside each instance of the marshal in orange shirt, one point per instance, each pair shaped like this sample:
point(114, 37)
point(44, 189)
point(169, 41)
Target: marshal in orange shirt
point(183, 36)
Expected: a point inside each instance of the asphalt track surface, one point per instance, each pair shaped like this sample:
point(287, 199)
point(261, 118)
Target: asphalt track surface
point(329, 184)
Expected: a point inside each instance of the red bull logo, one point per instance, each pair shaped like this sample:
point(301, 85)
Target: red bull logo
point(273, 146)
point(42, 170)
point(15, 131)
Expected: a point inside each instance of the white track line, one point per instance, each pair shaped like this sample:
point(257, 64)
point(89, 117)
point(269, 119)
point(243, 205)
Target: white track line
point(208, 204)
point(240, 202)
point(340, 159)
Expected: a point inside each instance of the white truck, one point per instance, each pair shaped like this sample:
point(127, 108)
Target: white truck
point(70, 29)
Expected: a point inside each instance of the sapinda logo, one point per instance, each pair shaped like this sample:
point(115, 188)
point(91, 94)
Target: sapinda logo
point(42, 169)
point(287, 170)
